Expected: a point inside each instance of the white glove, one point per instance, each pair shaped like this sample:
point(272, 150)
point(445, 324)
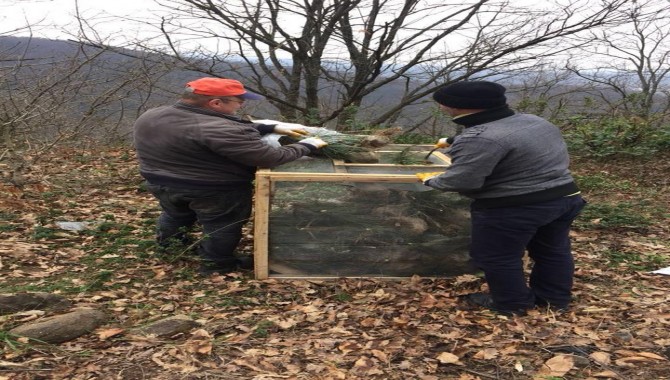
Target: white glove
point(443, 143)
point(315, 142)
point(290, 129)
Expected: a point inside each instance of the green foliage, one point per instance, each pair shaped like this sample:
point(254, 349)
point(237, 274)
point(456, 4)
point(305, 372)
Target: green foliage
point(44, 233)
point(601, 183)
point(142, 187)
point(262, 329)
point(63, 285)
point(534, 105)
point(9, 228)
point(613, 216)
point(406, 157)
point(343, 297)
point(98, 281)
point(607, 137)
point(413, 138)
point(9, 222)
point(340, 146)
point(351, 124)
point(312, 116)
point(634, 260)
point(10, 343)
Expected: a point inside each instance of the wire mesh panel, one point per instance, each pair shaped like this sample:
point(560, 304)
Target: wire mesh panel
point(366, 229)
point(329, 218)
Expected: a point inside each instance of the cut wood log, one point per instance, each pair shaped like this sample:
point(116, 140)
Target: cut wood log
point(168, 327)
point(62, 328)
point(14, 303)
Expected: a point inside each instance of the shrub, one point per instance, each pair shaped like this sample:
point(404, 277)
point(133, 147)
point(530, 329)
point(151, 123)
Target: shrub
point(614, 216)
point(413, 138)
point(607, 137)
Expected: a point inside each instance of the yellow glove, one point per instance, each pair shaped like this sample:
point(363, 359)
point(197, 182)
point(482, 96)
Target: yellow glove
point(444, 142)
point(426, 176)
point(290, 129)
point(314, 142)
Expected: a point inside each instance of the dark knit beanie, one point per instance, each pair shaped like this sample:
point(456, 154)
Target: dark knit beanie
point(473, 95)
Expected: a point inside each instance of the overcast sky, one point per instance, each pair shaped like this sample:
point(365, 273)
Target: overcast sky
point(55, 19)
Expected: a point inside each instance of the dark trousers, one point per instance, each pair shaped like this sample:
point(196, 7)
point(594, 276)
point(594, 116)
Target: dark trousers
point(500, 236)
point(221, 214)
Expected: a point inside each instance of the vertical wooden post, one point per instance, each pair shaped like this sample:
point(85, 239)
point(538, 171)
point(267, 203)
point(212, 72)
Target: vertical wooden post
point(261, 224)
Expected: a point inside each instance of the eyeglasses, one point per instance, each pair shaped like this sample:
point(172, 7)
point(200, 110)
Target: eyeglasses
point(228, 100)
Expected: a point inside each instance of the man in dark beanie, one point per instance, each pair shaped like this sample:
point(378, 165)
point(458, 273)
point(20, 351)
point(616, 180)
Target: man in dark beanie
point(515, 169)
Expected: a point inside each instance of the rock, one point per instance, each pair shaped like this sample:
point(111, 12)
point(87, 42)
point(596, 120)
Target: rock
point(363, 158)
point(410, 225)
point(62, 328)
point(580, 361)
point(375, 141)
point(13, 303)
point(622, 337)
point(168, 327)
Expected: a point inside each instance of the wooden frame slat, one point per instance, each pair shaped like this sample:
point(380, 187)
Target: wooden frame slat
point(265, 179)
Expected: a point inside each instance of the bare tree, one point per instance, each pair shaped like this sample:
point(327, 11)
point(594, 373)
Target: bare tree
point(64, 100)
point(549, 90)
point(322, 61)
point(632, 63)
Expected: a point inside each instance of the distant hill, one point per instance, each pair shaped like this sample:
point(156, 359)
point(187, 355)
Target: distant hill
point(158, 83)
point(13, 48)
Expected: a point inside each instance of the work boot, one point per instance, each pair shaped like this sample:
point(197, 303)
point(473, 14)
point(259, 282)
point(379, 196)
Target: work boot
point(209, 267)
point(485, 301)
point(245, 262)
point(554, 307)
point(242, 263)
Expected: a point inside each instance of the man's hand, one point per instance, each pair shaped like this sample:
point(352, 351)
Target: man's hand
point(426, 176)
point(444, 142)
point(315, 142)
point(289, 129)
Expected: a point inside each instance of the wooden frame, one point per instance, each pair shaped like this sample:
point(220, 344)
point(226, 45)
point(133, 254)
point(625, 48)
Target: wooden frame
point(266, 178)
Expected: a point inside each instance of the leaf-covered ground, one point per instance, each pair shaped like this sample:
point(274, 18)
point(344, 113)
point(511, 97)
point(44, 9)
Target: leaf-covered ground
point(618, 328)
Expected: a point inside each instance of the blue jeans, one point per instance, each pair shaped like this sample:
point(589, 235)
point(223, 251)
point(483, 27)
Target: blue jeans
point(221, 214)
point(500, 237)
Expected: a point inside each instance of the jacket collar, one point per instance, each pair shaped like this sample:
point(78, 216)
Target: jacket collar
point(486, 116)
point(204, 111)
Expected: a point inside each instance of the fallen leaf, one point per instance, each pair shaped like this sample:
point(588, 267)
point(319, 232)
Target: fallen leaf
point(200, 342)
point(380, 355)
point(284, 324)
point(518, 367)
point(606, 374)
point(559, 365)
point(448, 358)
point(108, 333)
point(367, 366)
point(428, 301)
point(652, 355)
point(486, 354)
point(348, 347)
point(601, 357)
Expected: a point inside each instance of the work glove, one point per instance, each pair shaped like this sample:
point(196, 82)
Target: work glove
point(444, 142)
point(289, 129)
point(314, 142)
point(426, 176)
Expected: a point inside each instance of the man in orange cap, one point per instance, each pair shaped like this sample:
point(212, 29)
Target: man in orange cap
point(199, 161)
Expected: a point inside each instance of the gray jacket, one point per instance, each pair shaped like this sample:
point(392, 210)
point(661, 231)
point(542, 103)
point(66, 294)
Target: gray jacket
point(190, 147)
point(517, 158)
